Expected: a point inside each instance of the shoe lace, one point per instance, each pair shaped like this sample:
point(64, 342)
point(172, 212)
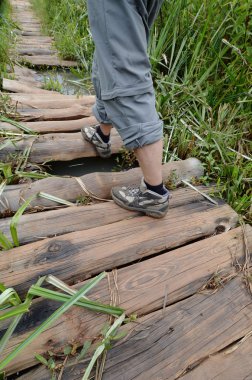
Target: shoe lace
point(133, 190)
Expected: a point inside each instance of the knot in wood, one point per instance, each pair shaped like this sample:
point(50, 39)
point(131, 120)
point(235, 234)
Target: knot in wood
point(54, 247)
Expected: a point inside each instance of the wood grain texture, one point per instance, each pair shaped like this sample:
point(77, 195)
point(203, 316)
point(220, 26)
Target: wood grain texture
point(52, 102)
point(225, 366)
point(45, 60)
point(57, 147)
point(37, 226)
point(15, 86)
point(75, 111)
point(107, 247)
point(98, 183)
point(30, 51)
point(163, 345)
point(53, 126)
point(142, 288)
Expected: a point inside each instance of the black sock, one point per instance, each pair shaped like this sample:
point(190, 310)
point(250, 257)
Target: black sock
point(159, 189)
point(105, 138)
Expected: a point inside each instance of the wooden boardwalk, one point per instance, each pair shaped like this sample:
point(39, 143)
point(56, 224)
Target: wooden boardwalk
point(185, 275)
point(32, 46)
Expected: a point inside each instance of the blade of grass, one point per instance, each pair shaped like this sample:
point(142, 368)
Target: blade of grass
point(5, 243)
point(55, 199)
point(61, 285)
point(2, 186)
point(18, 125)
point(15, 220)
point(6, 337)
point(118, 322)
point(50, 320)
point(91, 305)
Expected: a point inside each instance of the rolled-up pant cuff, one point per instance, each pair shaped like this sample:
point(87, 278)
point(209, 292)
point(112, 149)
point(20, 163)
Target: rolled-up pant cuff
point(100, 113)
point(142, 134)
point(134, 117)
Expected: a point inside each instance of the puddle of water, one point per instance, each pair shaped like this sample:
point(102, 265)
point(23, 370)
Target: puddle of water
point(65, 80)
point(82, 166)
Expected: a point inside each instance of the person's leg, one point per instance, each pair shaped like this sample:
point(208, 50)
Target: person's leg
point(137, 121)
point(99, 135)
point(106, 128)
point(120, 32)
point(150, 161)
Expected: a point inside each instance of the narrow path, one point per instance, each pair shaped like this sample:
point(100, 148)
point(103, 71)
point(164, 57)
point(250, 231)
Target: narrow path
point(156, 268)
point(33, 47)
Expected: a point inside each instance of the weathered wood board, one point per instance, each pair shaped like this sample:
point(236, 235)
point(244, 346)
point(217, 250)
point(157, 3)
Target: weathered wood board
point(57, 147)
point(54, 102)
point(76, 111)
point(52, 126)
point(31, 51)
point(164, 344)
point(236, 365)
point(37, 226)
point(105, 247)
point(45, 60)
point(99, 184)
point(15, 86)
point(142, 288)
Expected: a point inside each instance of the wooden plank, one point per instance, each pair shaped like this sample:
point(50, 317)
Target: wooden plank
point(46, 60)
point(57, 147)
point(225, 366)
point(73, 112)
point(15, 86)
point(106, 247)
point(142, 288)
point(35, 51)
point(99, 184)
point(53, 126)
point(54, 98)
point(37, 226)
point(35, 45)
point(163, 345)
point(54, 103)
point(38, 39)
point(21, 72)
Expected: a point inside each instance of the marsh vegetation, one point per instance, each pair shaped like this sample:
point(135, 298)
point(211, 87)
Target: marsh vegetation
point(201, 57)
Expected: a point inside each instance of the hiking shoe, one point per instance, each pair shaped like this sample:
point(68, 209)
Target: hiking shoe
point(139, 198)
point(103, 149)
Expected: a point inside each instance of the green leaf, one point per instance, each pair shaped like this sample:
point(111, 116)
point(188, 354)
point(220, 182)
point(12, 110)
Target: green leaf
point(2, 186)
point(16, 217)
point(50, 320)
point(68, 350)
point(119, 336)
point(84, 350)
point(5, 243)
point(55, 199)
point(91, 305)
point(51, 363)
point(105, 343)
point(17, 125)
point(41, 359)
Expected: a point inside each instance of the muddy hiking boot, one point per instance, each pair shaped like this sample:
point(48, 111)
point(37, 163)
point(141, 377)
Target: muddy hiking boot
point(90, 134)
point(139, 198)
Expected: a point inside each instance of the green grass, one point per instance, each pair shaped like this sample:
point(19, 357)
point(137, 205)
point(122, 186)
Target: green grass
point(6, 35)
point(52, 84)
point(11, 307)
point(201, 57)
point(67, 21)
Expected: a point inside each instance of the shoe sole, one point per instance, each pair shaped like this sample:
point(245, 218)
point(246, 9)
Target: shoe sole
point(153, 214)
point(90, 141)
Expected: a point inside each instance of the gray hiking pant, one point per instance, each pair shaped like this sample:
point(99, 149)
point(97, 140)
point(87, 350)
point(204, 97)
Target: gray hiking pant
point(121, 68)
